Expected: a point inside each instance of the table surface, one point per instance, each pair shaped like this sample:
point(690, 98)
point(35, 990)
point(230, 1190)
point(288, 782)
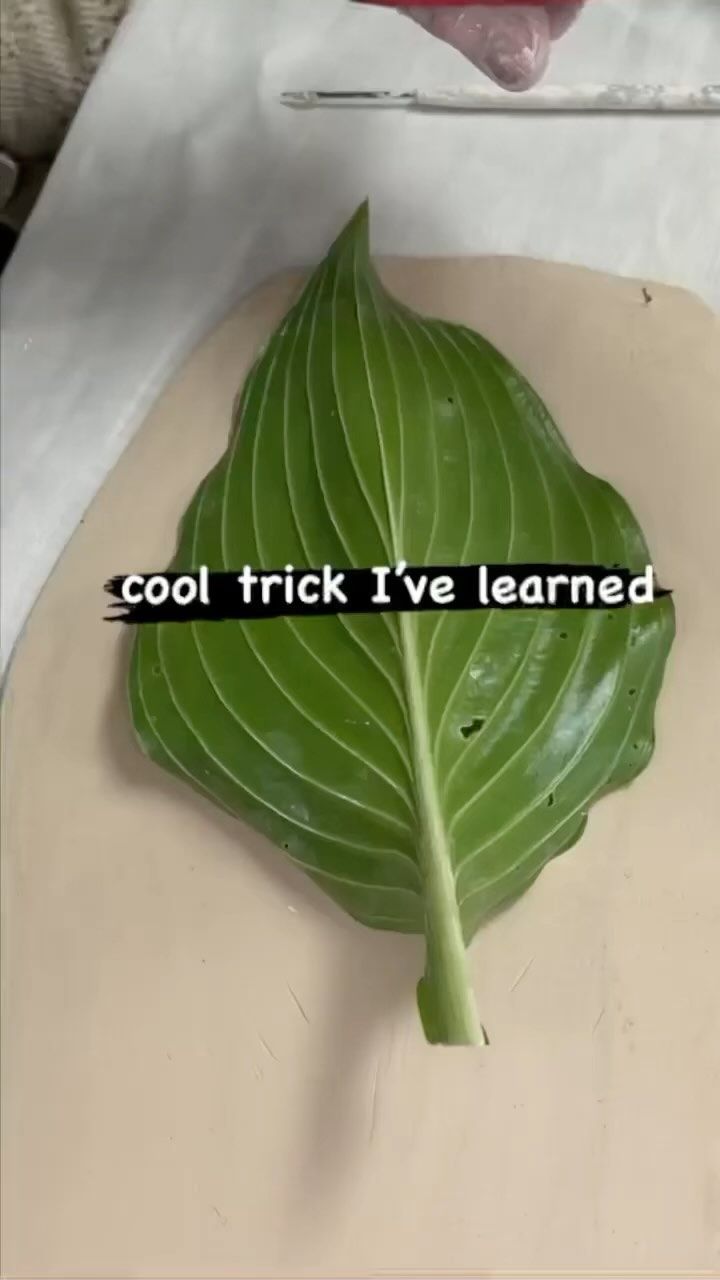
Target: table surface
point(169, 1110)
point(183, 183)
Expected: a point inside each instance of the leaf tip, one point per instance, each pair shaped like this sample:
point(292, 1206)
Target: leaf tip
point(361, 216)
point(355, 234)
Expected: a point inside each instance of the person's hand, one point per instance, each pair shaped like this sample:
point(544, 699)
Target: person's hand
point(510, 43)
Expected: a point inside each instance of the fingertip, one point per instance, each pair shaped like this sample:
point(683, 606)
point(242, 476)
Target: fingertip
point(518, 70)
point(518, 50)
point(511, 46)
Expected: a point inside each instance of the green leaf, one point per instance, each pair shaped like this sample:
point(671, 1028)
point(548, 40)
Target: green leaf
point(421, 768)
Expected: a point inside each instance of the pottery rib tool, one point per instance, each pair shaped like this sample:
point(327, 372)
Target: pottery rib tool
point(586, 98)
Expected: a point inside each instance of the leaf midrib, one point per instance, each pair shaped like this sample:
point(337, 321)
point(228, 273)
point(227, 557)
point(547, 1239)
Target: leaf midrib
point(447, 969)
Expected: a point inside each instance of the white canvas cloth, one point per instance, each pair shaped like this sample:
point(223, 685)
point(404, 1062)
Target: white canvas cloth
point(183, 183)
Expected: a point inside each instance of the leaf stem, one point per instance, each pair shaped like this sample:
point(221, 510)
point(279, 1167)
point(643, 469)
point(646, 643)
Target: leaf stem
point(445, 995)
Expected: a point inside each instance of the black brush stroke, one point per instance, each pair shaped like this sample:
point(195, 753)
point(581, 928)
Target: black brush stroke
point(226, 602)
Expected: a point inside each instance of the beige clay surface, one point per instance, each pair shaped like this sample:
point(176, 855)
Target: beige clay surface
point(208, 1070)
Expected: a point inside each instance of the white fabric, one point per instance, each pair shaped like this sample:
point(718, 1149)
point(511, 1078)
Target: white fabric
point(183, 183)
